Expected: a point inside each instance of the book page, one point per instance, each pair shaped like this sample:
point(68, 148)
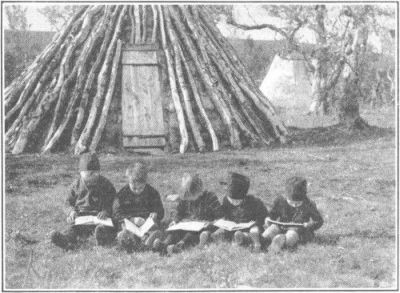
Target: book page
point(132, 227)
point(232, 226)
point(146, 226)
point(194, 226)
point(106, 222)
point(93, 220)
point(85, 220)
point(139, 231)
point(285, 224)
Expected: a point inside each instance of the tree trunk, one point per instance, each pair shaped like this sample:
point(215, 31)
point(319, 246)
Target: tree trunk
point(102, 82)
point(186, 98)
point(155, 22)
point(71, 75)
point(82, 109)
point(138, 33)
point(106, 106)
point(66, 94)
point(245, 82)
point(193, 86)
point(348, 108)
point(81, 78)
point(204, 68)
point(22, 86)
point(172, 83)
point(26, 131)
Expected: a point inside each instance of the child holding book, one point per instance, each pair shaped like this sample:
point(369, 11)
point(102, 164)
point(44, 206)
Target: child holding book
point(90, 194)
point(297, 208)
point(195, 204)
point(239, 207)
point(136, 202)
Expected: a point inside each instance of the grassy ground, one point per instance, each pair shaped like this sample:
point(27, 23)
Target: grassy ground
point(352, 184)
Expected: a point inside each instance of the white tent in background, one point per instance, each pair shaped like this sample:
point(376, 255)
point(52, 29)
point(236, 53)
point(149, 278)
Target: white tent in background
point(287, 83)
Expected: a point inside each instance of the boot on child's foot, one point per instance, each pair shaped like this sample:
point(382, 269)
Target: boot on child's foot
point(256, 248)
point(160, 247)
point(277, 243)
point(127, 241)
point(238, 238)
point(175, 248)
point(154, 235)
point(204, 236)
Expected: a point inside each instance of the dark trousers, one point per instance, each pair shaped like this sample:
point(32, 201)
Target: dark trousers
point(188, 238)
point(74, 233)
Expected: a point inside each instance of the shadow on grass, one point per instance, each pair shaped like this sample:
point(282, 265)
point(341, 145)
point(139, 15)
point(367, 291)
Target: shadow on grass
point(335, 135)
point(333, 239)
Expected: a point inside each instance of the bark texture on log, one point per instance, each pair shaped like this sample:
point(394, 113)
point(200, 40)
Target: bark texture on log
point(107, 102)
point(102, 80)
point(172, 83)
point(203, 113)
point(210, 78)
point(81, 73)
point(29, 77)
point(82, 110)
point(66, 94)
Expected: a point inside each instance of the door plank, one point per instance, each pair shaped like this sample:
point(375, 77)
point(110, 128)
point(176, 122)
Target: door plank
point(142, 113)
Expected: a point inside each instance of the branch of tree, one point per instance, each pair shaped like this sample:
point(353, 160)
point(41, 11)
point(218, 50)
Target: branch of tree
point(258, 27)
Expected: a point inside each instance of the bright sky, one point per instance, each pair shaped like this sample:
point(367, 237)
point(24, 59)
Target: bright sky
point(36, 20)
point(248, 14)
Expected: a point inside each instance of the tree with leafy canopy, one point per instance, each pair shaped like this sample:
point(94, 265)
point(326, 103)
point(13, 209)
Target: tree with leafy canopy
point(339, 51)
point(58, 15)
point(62, 100)
point(16, 17)
point(15, 60)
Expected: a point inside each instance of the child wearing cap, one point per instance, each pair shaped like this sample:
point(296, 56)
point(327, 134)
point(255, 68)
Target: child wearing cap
point(137, 201)
point(239, 207)
point(296, 207)
point(196, 204)
point(90, 194)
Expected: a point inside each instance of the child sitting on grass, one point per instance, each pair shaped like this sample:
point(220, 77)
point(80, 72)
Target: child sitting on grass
point(136, 202)
point(296, 207)
point(196, 204)
point(239, 207)
point(90, 194)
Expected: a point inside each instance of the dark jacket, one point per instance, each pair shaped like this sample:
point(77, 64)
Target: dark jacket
point(205, 208)
point(91, 198)
point(251, 209)
point(283, 212)
point(127, 204)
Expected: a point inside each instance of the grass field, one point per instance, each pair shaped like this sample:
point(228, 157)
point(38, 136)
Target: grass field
point(353, 185)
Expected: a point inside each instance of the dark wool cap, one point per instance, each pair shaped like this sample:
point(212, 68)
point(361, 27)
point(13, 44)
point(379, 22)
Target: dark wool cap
point(296, 188)
point(89, 162)
point(238, 185)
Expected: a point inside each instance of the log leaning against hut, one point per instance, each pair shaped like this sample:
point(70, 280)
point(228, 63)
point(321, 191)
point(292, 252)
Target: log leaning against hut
point(62, 100)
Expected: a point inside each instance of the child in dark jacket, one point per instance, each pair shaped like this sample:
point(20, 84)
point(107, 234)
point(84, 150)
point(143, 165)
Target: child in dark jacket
point(296, 207)
point(196, 204)
point(137, 201)
point(90, 194)
point(239, 207)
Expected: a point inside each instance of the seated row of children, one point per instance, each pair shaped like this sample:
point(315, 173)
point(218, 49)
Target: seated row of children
point(292, 219)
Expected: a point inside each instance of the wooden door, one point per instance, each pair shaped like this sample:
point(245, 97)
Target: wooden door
point(142, 114)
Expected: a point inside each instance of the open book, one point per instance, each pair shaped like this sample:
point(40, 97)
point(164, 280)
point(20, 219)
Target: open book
point(192, 226)
point(285, 224)
point(139, 231)
point(93, 220)
point(232, 226)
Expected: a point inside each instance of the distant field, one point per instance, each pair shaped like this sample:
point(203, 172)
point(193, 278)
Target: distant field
point(353, 185)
